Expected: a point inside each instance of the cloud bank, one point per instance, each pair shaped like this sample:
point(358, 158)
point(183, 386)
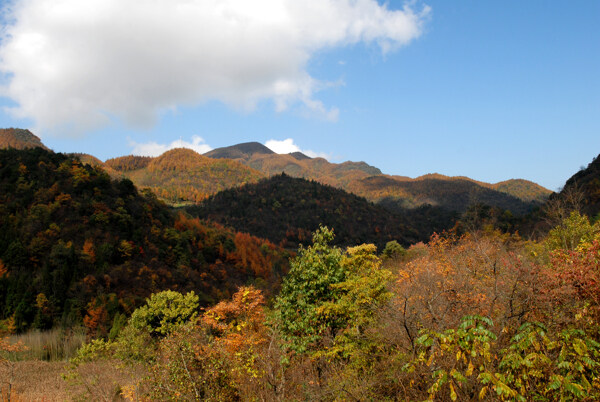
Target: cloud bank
point(74, 65)
point(155, 149)
point(288, 146)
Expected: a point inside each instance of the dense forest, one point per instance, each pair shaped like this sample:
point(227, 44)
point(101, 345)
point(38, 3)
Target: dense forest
point(76, 246)
point(287, 210)
point(451, 193)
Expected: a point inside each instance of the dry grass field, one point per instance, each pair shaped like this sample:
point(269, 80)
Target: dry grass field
point(43, 381)
point(35, 381)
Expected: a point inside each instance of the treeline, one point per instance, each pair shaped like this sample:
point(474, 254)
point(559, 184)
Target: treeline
point(77, 247)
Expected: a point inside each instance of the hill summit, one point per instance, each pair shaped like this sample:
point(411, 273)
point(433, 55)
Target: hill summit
point(18, 138)
point(240, 151)
point(182, 174)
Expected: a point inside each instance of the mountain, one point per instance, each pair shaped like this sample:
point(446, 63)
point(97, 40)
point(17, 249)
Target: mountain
point(287, 210)
point(451, 193)
point(295, 164)
point(240, 151)
point(18, 138)
point(76, 245)
point(299, 156)
point(183, 175)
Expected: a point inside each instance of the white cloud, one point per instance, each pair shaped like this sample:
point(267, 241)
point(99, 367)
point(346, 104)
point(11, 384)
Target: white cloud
point(155, 149)
point(288, 146)
point(76, 65)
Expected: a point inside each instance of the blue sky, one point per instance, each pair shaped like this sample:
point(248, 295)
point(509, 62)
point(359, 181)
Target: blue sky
point(489, 90)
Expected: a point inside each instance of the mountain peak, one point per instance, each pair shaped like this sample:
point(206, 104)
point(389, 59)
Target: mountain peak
point(19, 138)
point(299, 156)
point(240, 151)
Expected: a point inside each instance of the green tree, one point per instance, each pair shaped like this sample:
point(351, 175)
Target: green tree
point(333, 293)
point(359, 298)
point(164, 312)
point(393, 249)
point(307, 286)
point(571, 231)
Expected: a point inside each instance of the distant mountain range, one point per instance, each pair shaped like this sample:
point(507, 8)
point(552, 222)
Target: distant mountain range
point(454, 193)
point(182, 175)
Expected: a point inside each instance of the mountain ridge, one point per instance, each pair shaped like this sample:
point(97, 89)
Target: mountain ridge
point(187, 176)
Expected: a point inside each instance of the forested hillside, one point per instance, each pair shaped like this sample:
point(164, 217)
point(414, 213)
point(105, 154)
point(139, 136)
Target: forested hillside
point(587, 183)
point(287, 210)
point(76, 246)
point(454, 194)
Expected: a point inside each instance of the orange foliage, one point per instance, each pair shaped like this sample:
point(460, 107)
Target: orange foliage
point(249, 251)
point(573, 279)
point(96, 320)
point(238, 323)
point(88, 251)
point(471, 274)
point(3, 270)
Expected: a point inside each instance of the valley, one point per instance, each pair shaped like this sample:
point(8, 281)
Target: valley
point(283, 276)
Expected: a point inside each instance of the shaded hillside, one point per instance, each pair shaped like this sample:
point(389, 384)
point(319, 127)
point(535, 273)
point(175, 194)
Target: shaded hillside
point(425, 219)
point(183, 175)
point(299, 156)
point(76, 246)
point(524, 190)
point(586, 182)
point(18, 138)
point(287, 210)
point(454, 195)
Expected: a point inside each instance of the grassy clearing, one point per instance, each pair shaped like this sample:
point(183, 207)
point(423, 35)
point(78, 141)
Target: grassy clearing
point(53, 345)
